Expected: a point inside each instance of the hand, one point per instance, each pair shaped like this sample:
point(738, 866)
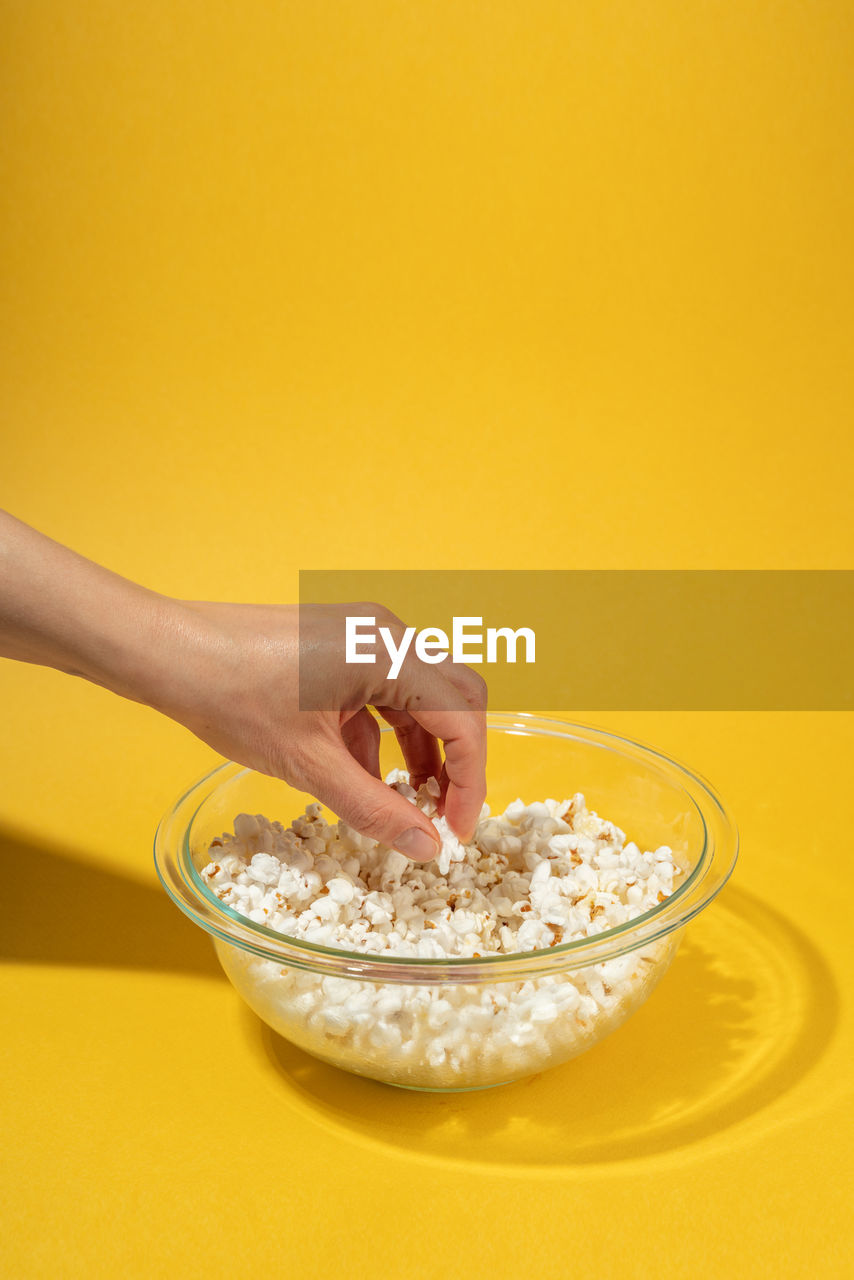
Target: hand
point(237, 688)
point(230, 673)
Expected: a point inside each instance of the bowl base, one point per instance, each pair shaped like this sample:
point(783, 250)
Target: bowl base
point(425, 1088)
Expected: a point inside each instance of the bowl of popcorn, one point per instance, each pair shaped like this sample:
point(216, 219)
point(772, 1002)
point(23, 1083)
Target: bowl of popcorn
point(498, 959)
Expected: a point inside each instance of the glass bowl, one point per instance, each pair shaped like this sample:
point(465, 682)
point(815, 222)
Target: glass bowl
point(465, 1023)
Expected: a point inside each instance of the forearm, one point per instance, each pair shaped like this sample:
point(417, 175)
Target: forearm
point(59, 609)
point(230, 673)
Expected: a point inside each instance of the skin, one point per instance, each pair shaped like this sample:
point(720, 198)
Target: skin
point(230, 674)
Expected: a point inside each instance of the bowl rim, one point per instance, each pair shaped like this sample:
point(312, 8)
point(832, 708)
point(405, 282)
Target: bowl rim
point(183, 883)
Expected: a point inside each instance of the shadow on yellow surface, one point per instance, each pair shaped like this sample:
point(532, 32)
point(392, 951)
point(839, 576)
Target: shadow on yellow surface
point(746, 1010)
point(85, 915)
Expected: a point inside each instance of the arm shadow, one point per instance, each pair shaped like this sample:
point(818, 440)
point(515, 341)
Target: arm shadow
point(68, 911)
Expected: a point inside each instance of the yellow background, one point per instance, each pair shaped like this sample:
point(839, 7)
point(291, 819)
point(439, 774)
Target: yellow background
point(383, 284)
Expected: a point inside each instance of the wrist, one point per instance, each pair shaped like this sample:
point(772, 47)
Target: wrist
point(157, 655)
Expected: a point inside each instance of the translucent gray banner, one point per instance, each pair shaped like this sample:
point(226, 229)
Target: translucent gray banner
point(754, 640)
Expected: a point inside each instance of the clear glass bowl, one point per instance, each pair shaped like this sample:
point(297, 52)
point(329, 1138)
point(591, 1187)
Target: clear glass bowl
point(460, 1024)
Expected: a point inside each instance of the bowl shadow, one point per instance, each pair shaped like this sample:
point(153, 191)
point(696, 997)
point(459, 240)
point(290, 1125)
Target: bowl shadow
point(746, 1010)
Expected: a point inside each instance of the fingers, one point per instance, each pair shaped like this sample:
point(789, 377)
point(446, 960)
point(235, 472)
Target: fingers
point(469, 683)
point(463, 734)
point(460, 722)
point(365, 803)
point(408, 702)
point(361, 735)
point(420, 749)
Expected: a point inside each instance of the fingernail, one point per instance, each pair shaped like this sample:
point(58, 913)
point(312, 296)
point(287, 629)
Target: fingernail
point(416, 844)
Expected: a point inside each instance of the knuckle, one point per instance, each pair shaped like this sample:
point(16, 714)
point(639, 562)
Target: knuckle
point(405, 728)
point(479, 688)
point(470, 684)
point(386, 618)
point(373, 609)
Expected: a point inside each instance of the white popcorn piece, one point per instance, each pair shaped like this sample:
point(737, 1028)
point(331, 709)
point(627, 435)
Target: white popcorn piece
point(341, 889)
point(264, 869)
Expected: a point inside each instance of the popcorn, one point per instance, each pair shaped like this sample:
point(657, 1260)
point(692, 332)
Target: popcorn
point(533, 877)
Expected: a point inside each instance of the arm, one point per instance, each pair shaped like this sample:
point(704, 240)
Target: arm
point(61, 610)
point(229, 673)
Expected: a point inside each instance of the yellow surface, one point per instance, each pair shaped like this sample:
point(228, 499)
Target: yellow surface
point(404, 284)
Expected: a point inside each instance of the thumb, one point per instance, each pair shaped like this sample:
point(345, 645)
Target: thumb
point(371, 807)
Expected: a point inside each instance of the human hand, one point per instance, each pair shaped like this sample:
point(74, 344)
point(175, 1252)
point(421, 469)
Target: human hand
point(237, 688)
point(230, 673)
